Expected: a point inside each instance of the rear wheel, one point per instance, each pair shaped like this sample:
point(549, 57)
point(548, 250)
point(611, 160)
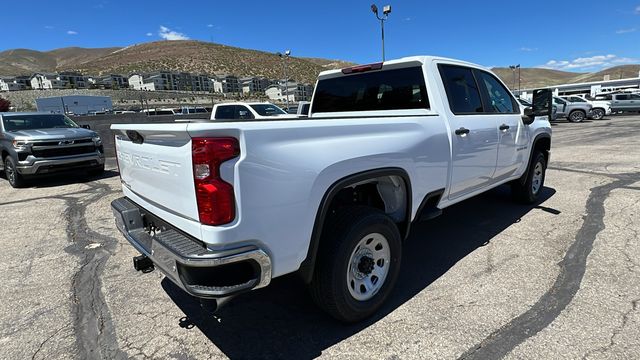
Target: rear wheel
point(577, 116)
point(15, 179)
point(527, 190)
point(597, 114)
point(358, 263)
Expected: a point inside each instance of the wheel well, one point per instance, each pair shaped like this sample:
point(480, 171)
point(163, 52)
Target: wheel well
point(544, 145)
point(387, 189)
point(386, 193)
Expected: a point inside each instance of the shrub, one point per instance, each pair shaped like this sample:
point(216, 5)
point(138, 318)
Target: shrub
point(4, 105)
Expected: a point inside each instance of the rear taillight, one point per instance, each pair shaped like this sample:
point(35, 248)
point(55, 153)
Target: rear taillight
point(216, 202)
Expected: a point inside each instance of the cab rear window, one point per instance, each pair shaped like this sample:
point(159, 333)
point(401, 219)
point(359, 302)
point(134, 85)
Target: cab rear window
point(395, 89)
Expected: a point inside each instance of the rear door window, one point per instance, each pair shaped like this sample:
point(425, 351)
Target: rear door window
point(462, 89)
point(225, 112)
point(394, 89)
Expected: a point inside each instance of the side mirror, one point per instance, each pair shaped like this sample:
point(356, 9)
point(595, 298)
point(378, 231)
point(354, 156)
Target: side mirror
point(85, 127)
point(527, 116)
point(542, 103)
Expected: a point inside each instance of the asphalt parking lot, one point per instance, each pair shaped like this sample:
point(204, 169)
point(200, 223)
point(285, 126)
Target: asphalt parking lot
point(487, 279)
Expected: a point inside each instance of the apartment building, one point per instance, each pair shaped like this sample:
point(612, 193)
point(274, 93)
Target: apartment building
point(74, 80)
point(10, 84)
point(226, 84)
point(47, 81)
point(253, 84)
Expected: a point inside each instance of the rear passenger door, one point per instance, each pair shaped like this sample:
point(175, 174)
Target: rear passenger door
point(503, 108)
point(474, 134)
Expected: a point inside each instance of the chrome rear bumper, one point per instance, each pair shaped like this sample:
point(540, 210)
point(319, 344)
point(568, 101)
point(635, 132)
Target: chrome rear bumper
point(186, 261)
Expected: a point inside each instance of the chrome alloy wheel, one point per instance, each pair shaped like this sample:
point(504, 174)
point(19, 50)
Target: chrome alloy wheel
point(536, 181)
point(368, 266)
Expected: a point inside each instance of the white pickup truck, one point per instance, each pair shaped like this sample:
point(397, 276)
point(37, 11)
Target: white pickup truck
point(224, 207)
point(248, 111)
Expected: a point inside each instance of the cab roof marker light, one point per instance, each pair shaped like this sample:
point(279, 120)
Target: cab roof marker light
point(362, 68)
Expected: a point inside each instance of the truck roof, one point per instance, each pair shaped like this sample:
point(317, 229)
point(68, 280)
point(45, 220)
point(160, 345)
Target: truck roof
point(422, 59)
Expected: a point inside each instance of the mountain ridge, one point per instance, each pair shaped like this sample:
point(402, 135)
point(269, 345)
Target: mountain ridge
point(210, 58)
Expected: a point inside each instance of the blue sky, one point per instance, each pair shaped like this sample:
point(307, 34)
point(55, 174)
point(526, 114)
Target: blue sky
point(571, 35)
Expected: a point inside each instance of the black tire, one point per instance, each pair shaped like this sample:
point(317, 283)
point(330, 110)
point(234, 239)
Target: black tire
point(597, 114)
point(577, 116)
point(343, 231)
point(15, 179)
point(98, 171)
point(528, 190)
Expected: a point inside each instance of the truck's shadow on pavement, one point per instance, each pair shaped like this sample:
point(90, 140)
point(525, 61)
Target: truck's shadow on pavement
point(281, 321)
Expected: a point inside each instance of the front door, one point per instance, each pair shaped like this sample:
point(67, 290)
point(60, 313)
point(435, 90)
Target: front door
point(513, 137)
point(474, 134)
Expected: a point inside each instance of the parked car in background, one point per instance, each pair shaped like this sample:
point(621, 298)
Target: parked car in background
point(248, 111)
point(599, 109)
point(34, 144)
point(629, 102)
point(189, 110)
point(161, 111)
point(573, 111)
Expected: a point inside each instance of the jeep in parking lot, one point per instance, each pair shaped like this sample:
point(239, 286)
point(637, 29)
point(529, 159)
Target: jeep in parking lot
point(223, 207)
point(34, 144)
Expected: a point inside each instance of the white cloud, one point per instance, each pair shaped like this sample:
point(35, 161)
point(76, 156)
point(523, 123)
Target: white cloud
point(48, 27)
point(149, 34)
point(626, 31)
point(638, 10)
point(588, 63)
point(209, 25)
point(528, 49)
point(169, 34)
point(71, 32)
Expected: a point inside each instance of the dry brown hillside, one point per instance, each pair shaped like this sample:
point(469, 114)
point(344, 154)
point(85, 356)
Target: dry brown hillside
point(534, 77)
point(200, 57)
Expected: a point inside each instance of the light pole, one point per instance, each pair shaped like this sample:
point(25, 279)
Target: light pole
point(385, 11)
point(284, 58)
point(513, 68)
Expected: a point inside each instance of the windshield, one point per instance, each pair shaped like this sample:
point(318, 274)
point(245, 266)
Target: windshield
point(267, 109)
point(34, 122)
point(577, 99)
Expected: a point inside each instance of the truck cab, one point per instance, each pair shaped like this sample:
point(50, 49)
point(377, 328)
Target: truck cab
point(247, 111)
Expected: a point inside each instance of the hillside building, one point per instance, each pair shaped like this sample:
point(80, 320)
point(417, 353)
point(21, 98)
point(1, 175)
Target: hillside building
point(111, 81)
point(10, 84)
point(167, 80)
point(47, 81)
point(226, 84)
point(294, 91)
point(254, 84)
point(74, 80)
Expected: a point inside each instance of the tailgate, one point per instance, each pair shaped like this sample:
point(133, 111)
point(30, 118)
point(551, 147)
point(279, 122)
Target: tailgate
point(158, 168)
